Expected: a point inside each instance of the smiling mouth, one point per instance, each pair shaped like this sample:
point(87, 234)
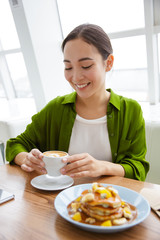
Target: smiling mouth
point(82, 85)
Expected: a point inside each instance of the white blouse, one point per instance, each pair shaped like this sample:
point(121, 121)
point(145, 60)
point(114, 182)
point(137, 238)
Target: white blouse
point(91, 136)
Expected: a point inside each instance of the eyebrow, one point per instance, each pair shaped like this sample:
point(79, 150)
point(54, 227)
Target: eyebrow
point(80, 60)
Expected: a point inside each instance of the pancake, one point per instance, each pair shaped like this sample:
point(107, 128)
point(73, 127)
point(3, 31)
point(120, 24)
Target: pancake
point(101, 206)
point(102, 196)
point(101, 210)
point(113, 202)
point(91, 213)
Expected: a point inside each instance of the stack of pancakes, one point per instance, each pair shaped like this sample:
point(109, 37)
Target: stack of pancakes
point(101, 206)
point(101, 203)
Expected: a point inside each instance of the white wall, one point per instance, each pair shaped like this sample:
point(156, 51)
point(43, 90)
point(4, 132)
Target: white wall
point(40, 35)
point(153, 150)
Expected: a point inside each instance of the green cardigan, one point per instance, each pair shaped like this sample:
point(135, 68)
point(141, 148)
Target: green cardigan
point(51, 129)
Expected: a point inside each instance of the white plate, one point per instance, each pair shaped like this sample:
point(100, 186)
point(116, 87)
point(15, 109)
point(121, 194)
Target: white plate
point(66, 196)
point(43, 182)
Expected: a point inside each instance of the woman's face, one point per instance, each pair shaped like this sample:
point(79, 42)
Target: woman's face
point(84, 68)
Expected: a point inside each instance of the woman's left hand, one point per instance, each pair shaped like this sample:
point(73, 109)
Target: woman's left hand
point(84, 165)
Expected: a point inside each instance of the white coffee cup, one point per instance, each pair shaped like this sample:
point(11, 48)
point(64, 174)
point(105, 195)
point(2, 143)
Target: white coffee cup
point(53, 162)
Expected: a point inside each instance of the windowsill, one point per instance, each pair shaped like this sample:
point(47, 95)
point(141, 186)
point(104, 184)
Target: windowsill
point(25, 108)
point(19, 108)
point(150, 112)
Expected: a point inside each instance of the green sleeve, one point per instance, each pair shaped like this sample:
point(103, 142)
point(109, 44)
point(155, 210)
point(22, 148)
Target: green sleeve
point(50, 129)
point(32, 137)
point(132, 148)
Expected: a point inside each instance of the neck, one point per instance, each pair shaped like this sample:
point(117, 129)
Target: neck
point(93, 107)
point(96, 99)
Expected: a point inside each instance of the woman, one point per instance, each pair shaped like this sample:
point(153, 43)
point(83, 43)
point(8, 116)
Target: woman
point(103, 133)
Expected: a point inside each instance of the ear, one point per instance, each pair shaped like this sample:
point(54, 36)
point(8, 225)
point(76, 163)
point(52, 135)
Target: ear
point(109, 62)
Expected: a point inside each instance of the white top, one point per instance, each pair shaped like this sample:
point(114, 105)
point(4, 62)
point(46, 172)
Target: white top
point(91, 136)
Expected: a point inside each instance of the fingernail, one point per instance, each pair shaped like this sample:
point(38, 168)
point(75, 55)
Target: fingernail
point(72, 175)
point(43, 171)
point(63, 171)
point(42, 164)
point(64, 159)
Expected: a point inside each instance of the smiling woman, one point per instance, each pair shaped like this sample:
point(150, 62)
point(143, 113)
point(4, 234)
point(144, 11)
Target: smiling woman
point(134, 73)
point(104, 133)
point(82, 71)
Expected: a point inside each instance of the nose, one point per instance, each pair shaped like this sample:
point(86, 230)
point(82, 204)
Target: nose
point(77, 75)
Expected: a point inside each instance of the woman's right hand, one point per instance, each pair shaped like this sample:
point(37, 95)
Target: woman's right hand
point(31, 161)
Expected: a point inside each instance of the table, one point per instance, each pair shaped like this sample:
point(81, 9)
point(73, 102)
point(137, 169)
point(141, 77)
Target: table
point(31, 215)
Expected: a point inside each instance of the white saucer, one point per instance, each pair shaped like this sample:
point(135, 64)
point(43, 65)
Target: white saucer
point(44, 182)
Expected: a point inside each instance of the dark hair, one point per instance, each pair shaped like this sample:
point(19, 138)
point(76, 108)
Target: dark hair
point(92, 34)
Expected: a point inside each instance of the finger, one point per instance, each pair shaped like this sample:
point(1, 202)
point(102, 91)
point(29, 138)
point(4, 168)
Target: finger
point(78, 170)
point(37, 153)
point(74, 166)
point(31, 169)
point(32, 159)
point(37, 167)
point(79, 174)
point(75, 157)
point(77, 166)
point(27, 168)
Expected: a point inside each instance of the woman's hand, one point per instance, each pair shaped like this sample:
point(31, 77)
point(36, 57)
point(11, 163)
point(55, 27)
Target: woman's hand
point(84, 165)
point(31, 161)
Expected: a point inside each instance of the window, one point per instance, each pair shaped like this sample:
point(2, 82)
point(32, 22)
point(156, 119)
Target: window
point(125, 22)
point(159, 50)
point(129, 74)
point(13, 75)
point(18, 74)
point(2, 92)
point(112, 16)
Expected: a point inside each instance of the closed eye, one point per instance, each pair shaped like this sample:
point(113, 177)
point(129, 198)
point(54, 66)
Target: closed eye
point(68, 68)
point(87, 66)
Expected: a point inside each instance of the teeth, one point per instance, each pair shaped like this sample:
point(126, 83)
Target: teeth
point(82, 85)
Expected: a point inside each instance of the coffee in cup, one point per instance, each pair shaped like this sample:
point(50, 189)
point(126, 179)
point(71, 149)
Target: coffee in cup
point(53, 162)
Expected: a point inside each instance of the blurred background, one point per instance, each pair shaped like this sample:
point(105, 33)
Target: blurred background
point(31, 61)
